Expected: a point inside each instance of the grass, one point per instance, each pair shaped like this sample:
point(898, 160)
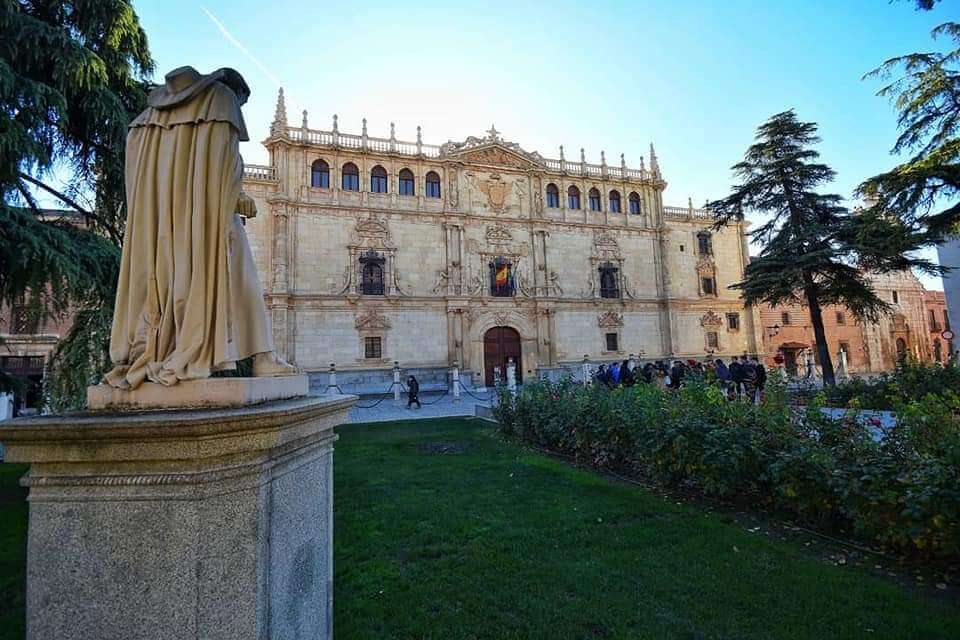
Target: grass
point(442, 530)
point(497, 542)
point(13, 549)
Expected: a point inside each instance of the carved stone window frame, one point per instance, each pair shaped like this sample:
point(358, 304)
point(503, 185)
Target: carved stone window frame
point(372, 324)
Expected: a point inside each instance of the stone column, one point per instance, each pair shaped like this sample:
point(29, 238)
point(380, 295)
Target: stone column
point(209, 524)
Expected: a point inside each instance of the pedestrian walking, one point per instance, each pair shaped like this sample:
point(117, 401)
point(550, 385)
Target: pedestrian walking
point(413, 391)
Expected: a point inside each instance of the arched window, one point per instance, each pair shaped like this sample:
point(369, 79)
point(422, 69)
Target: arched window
point(553, 196)
point(406, 183)
point(320, 174)
point(593, 199)
point(634, 203)
point(350, 177)
point(378, 180)
point(704, 244)
point(614, 201)
point(609, 288)
point(371, 277)
point(573, 197)
point(433, 185)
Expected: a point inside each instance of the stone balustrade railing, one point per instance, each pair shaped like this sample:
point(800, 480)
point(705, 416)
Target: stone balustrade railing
point(418, 149)
point(686, 213)
point(259, 172)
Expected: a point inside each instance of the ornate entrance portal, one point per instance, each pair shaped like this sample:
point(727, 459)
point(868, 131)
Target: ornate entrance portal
point(499, 344)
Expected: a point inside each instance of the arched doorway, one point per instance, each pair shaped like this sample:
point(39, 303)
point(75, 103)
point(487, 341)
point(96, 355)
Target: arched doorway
point(901, 349)
point(499, 344)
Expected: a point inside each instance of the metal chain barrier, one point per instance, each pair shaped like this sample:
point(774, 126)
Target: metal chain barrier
point(386, 395)
point(472, 395)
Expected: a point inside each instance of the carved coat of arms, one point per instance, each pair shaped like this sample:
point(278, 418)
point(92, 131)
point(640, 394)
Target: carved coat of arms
point(496, 190)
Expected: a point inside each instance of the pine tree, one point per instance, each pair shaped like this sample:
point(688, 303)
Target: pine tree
point(807, 257)
point(922, 195)
point(73, 73)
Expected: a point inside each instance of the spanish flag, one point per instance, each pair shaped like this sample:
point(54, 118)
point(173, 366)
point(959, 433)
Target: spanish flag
point(503, 275)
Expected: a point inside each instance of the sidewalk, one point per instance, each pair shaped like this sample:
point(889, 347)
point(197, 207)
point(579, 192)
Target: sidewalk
point(386, 411)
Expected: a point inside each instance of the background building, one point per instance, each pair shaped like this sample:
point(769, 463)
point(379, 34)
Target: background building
point(373, 250)
point(913, 328)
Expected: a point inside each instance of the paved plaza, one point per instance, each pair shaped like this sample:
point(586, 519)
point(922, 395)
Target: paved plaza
point(435, 405)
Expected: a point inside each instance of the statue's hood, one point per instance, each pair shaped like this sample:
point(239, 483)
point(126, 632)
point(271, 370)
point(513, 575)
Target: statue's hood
point(183, 83)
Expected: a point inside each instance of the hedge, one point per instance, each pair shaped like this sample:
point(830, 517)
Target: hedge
point(901, 491)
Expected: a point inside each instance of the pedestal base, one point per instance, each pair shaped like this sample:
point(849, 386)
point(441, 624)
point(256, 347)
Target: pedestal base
point(197, 394)
point(202, 524)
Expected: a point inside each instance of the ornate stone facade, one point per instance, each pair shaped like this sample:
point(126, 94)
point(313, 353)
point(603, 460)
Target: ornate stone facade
point(467, 236)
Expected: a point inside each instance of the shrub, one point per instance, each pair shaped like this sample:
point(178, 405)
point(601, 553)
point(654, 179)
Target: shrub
point(900, 491)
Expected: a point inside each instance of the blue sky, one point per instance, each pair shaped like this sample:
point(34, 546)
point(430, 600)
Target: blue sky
point(695, 78)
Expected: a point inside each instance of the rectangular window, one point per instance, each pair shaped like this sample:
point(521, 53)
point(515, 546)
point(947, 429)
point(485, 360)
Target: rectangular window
point(372, 348)
point(704, 244)
point(613, 342)
point(946, 320)
point(785, 317)
point(733, 321)
point(709, 286)
point(895, 296)
point(841, 319)
point(713, 340)
point(433, 189)
point(378, 184)
point(23, 320)
point(351, 182)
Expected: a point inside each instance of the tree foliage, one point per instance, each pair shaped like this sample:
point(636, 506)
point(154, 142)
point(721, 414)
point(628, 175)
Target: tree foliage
point(808, 257)
point(73, 74)
point(922, 194)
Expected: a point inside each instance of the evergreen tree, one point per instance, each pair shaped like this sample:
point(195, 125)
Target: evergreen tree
point(921, 196)
point(807, 256)
point(73, 73)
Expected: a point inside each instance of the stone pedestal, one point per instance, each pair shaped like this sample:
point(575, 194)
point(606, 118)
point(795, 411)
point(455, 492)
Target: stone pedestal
point(203, 524)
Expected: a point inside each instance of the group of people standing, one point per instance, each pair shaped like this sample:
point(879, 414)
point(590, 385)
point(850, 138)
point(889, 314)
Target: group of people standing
point(744, 377)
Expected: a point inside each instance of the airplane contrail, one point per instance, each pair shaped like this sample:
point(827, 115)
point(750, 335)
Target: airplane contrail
point(229, 36)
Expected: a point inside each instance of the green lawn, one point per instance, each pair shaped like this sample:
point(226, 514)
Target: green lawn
point(495, 542)
point(444, 531)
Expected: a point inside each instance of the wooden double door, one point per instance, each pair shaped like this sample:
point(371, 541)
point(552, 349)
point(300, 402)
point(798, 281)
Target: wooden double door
point(499, 345)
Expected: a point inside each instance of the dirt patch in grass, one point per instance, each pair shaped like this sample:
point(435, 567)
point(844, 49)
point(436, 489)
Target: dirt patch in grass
point(445, 448)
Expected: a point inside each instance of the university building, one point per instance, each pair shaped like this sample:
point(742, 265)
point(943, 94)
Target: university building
point(373, 250)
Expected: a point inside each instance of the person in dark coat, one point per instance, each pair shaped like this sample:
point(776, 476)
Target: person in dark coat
point(761, 377)
point(413, 390)
point(736, 376)
point(626, 375)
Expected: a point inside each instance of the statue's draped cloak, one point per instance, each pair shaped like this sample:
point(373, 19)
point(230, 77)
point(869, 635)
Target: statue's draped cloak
point(188, 299)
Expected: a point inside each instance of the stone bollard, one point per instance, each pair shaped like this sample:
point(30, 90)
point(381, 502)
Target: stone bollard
point(586, 369)
point(396, 383)
point(456, 382)
point(511, 375)
point(332, 380)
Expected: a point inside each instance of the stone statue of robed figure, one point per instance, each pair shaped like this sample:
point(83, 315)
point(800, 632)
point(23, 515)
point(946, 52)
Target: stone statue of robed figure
point(188, 300)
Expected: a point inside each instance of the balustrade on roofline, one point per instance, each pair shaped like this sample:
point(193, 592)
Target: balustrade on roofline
point(686, 213)
point(259, 172)
point(414, 149)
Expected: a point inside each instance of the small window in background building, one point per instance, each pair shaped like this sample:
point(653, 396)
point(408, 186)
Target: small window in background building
point(713, 340)
point(785, 317)
point(372, 348)
point(613, 342)
point(553, 196)
point(841, 319)
point(681, 248)
point(709, 286)
point(320, 175)
point(593, 198)
point(733, 321)
point(946, 320)
point(896, 297)
point(614, 202)
point(378, 179)
point(635, 203)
